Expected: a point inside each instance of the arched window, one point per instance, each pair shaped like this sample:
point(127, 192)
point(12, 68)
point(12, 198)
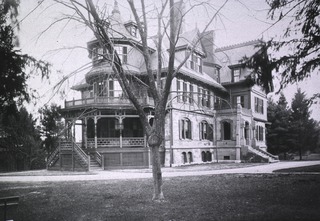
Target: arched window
point(203, 156)
point(226, 130)
point(184, 157)
point(185, 128)
point(190, 158)
point(206, 131)
point(208, 156)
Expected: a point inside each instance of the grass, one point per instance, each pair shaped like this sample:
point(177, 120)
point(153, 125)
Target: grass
point(308, 169)
point(215, 197)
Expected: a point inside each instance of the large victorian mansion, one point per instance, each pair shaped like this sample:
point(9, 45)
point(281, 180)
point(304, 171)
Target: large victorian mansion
point(214, 114)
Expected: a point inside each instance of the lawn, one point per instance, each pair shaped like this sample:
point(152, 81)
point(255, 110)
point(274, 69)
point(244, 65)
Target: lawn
point(308, 169)
point(216, 197)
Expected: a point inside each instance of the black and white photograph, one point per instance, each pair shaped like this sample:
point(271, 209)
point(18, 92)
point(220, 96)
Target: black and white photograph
point(159, 110)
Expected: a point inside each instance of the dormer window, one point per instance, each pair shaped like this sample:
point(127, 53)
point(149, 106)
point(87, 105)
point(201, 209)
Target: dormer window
point(195, 62)
point(134, 31)
point(131, 28)
point(236, 74)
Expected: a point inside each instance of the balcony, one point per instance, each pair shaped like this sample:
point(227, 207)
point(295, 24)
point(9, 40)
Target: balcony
point(106, 102)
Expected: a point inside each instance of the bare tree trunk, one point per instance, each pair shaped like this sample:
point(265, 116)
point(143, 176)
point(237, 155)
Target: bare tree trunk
point(155, 139)
point(157, 174)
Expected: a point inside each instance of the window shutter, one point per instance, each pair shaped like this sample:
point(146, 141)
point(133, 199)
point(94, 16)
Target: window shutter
point(200, 131)
point(105, 87)
point(189, 129)
point(185, 90)
point(124, 56)
point(180, 128)
point(95, 88)
point(210, 131)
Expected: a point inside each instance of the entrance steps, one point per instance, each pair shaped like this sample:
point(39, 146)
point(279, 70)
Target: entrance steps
point(95, 163)
point(264, 154)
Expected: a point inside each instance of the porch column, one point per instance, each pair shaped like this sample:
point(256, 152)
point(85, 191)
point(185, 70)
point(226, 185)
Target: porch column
point(238, 130)
point(85, 133)
point(238, 126)
point(120, 138)
point(95, 132)
point(119, 126)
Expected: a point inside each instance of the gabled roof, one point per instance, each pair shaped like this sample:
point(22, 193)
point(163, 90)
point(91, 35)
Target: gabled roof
point(189, 39)
point(233, 54)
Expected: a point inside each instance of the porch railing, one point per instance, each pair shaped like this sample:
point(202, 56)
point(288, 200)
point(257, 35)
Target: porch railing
point(107, 101)
point(115, 142)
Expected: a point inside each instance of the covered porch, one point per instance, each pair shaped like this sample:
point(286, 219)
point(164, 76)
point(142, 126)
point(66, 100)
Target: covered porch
point(117, 137)
point(106, 129)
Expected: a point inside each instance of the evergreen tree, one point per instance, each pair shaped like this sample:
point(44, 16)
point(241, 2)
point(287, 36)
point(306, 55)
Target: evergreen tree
point(277, 132)
point(51, 126)
point(19, 139)
point(13, 63)
point(299, 39)
point(303, 130)
point(21, 143)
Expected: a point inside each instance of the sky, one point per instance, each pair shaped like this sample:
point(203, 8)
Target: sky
point(63, 43)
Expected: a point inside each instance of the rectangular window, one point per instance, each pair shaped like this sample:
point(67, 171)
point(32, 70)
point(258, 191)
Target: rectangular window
point(242, 101)
point(258, 105)
point(236, 75)
point(206, 131)
point(199, 96)
point(190, 93)
point(218, 74)
point(111, 88)
point(100, 53)
point(122, 53)
point(185, 92)
point(179, 90)
point(100, 89)
point(114, 89)
point(199, 64)
point(208, 99)
point(260, 133)
point(185, 129)
point(196, 62)
point(204, 97)
point(134, 31)
point(94, 54)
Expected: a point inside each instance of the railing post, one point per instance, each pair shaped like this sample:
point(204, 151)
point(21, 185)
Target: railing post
point(60, 160)
point(88, 162)
point(102, 161)
point(95, 132)
point(72, 156)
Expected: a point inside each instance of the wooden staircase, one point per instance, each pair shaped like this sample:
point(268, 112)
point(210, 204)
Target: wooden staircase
point(95, 161)
point(68, 156)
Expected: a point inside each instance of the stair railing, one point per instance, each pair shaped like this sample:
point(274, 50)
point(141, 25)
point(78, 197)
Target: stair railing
point(78, 150)
point(98, 158)
point(53, 157)
point(263, 153)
